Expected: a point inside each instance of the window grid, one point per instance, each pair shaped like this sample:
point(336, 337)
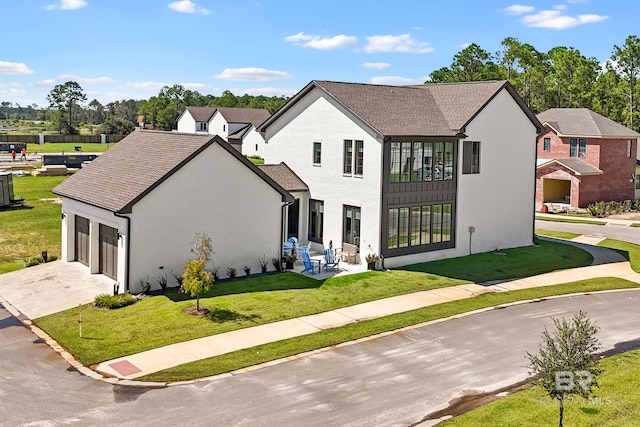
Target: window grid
point(419, 225)
point(317, 153)
point(547, 144)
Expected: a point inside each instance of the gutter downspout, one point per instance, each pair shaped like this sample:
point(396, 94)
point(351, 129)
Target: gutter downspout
point(128, 249)
point(535, 186)
point(283, 234)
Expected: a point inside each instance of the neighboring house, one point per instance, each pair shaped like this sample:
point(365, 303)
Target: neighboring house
point(583, 158)
point(132, 213)
point(414, 173)
point(235, 125)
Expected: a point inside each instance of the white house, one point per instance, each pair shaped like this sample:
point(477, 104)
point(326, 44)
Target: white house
point(235, 125)
point(414, 173)
point(132, 213)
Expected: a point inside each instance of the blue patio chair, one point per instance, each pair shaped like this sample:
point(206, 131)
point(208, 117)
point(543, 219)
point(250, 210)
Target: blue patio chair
point(309, 264)
point(330, 259)
point(286, 248)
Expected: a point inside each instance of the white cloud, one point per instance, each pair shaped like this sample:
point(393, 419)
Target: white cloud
point(44, 83)
point(78, 79)
point(252, 74)
point(196, 86)
point(187, 6)
point(67, 5)
point(14, 68)
point(553, 19)
point(402, 43)
point(465, 45)
point(322, 43)
point(266, 91)
point(146, 85)
point(518, 9)
point(393, 81)
point(376, 65)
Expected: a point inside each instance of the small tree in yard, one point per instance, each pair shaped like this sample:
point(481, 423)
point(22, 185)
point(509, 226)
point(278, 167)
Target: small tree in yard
point(196, 280)
point(565, 363)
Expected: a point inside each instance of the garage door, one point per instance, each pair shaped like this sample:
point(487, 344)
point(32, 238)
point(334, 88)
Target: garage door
point(108, 251)
point(82, 240)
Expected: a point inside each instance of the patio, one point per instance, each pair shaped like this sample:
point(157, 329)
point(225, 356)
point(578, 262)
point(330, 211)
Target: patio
point(343, 268)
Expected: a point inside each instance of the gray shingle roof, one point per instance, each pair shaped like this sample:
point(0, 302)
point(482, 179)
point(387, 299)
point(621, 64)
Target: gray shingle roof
point(283, 175)
point(580, 167)
point(125, 173)
point(584, 122)
point(424, 110)
point(201, 114)
point(255, 116)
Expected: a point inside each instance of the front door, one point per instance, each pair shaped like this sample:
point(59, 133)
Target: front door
point(81, 251)
point(108, 251)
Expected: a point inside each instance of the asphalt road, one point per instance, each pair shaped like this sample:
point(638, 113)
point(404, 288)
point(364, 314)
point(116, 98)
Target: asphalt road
point(390, 381)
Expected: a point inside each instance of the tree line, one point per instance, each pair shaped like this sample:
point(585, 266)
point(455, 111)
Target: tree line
point(561, 77)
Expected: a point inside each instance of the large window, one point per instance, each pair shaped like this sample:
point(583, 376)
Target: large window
point(351, 225)
point(421, 161)
point(547, 144)
point(629, 146)
point(470, 157)
point(316, 219)
point(353, 157)
point(419, 225)
point(317, 153)
point(577, 147)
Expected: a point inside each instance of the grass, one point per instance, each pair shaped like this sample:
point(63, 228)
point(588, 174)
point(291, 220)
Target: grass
point(256, 161)
point(67, 147)
point(557, 234)
point(159, 320)
point(627, 250)
point(615, 402)
point(575, 221)
point(635, 224)
point(29, 230)
point(264, 353)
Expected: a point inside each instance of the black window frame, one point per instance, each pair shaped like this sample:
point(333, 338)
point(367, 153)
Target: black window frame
point(353, 157)
point(317, 153)
point(470, 157)
point(356, 225)
point(573, 147)
point(546, 144)
point(582, 147)
point(316, 220)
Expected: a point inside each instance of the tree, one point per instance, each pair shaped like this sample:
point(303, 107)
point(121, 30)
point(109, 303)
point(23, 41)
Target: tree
point(628, 60)
point(196, 280)
point(115, 126)
point(565, 363)
point(471, 64)
point(66, 98)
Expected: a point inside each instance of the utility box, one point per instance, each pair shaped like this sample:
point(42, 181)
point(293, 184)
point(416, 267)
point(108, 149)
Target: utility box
point(6, 189)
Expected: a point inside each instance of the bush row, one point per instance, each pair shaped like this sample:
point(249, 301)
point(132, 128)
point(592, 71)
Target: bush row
point(602, 209)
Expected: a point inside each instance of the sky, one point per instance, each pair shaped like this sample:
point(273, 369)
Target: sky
point(130, 49)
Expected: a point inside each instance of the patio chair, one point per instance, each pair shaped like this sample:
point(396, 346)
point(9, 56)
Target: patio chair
point(330, 259)
point(286, 248)
point(304, 248)
point(310, 264)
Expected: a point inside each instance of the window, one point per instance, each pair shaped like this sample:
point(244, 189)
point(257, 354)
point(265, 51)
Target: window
point(348, 157)
point(351, 225)
point(573, 147)
point(353, 163)
point(421, 161)
point(256, 147)
point(547, 144)
point(317, 153)
point(419, 225)
point(637, 182)
point(203, 125)
point(224, 128)
point(470, 157)
point(316, 219)
point(582, 147)
point(629, 147)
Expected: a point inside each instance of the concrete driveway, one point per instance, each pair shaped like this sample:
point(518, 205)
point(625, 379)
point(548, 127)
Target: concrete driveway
point(51, 287)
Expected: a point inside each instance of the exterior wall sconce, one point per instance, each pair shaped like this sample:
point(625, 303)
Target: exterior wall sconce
point(63, 215)
point(119, 236)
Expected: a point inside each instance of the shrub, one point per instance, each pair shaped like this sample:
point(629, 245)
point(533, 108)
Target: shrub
point(263, 264)
point(30, 262)
point(231, 272)
point(162, 281)
point(277, 264)
point(178, 277)
point(247, 270)
point(214, 273)
point(113, 301)
point(146, 286)
point(52, 258)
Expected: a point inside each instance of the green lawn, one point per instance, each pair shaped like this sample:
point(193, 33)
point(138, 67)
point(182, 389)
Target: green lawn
point(29, 230)
point(628, 250)
point(557, 234)
point(159, 320)
point(67, 147)
point(566, 219)
point(615, 402)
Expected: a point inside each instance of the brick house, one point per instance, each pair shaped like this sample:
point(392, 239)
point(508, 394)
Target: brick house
point(584, 157)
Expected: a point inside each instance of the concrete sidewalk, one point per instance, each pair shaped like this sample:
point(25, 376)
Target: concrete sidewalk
point(606, 263)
